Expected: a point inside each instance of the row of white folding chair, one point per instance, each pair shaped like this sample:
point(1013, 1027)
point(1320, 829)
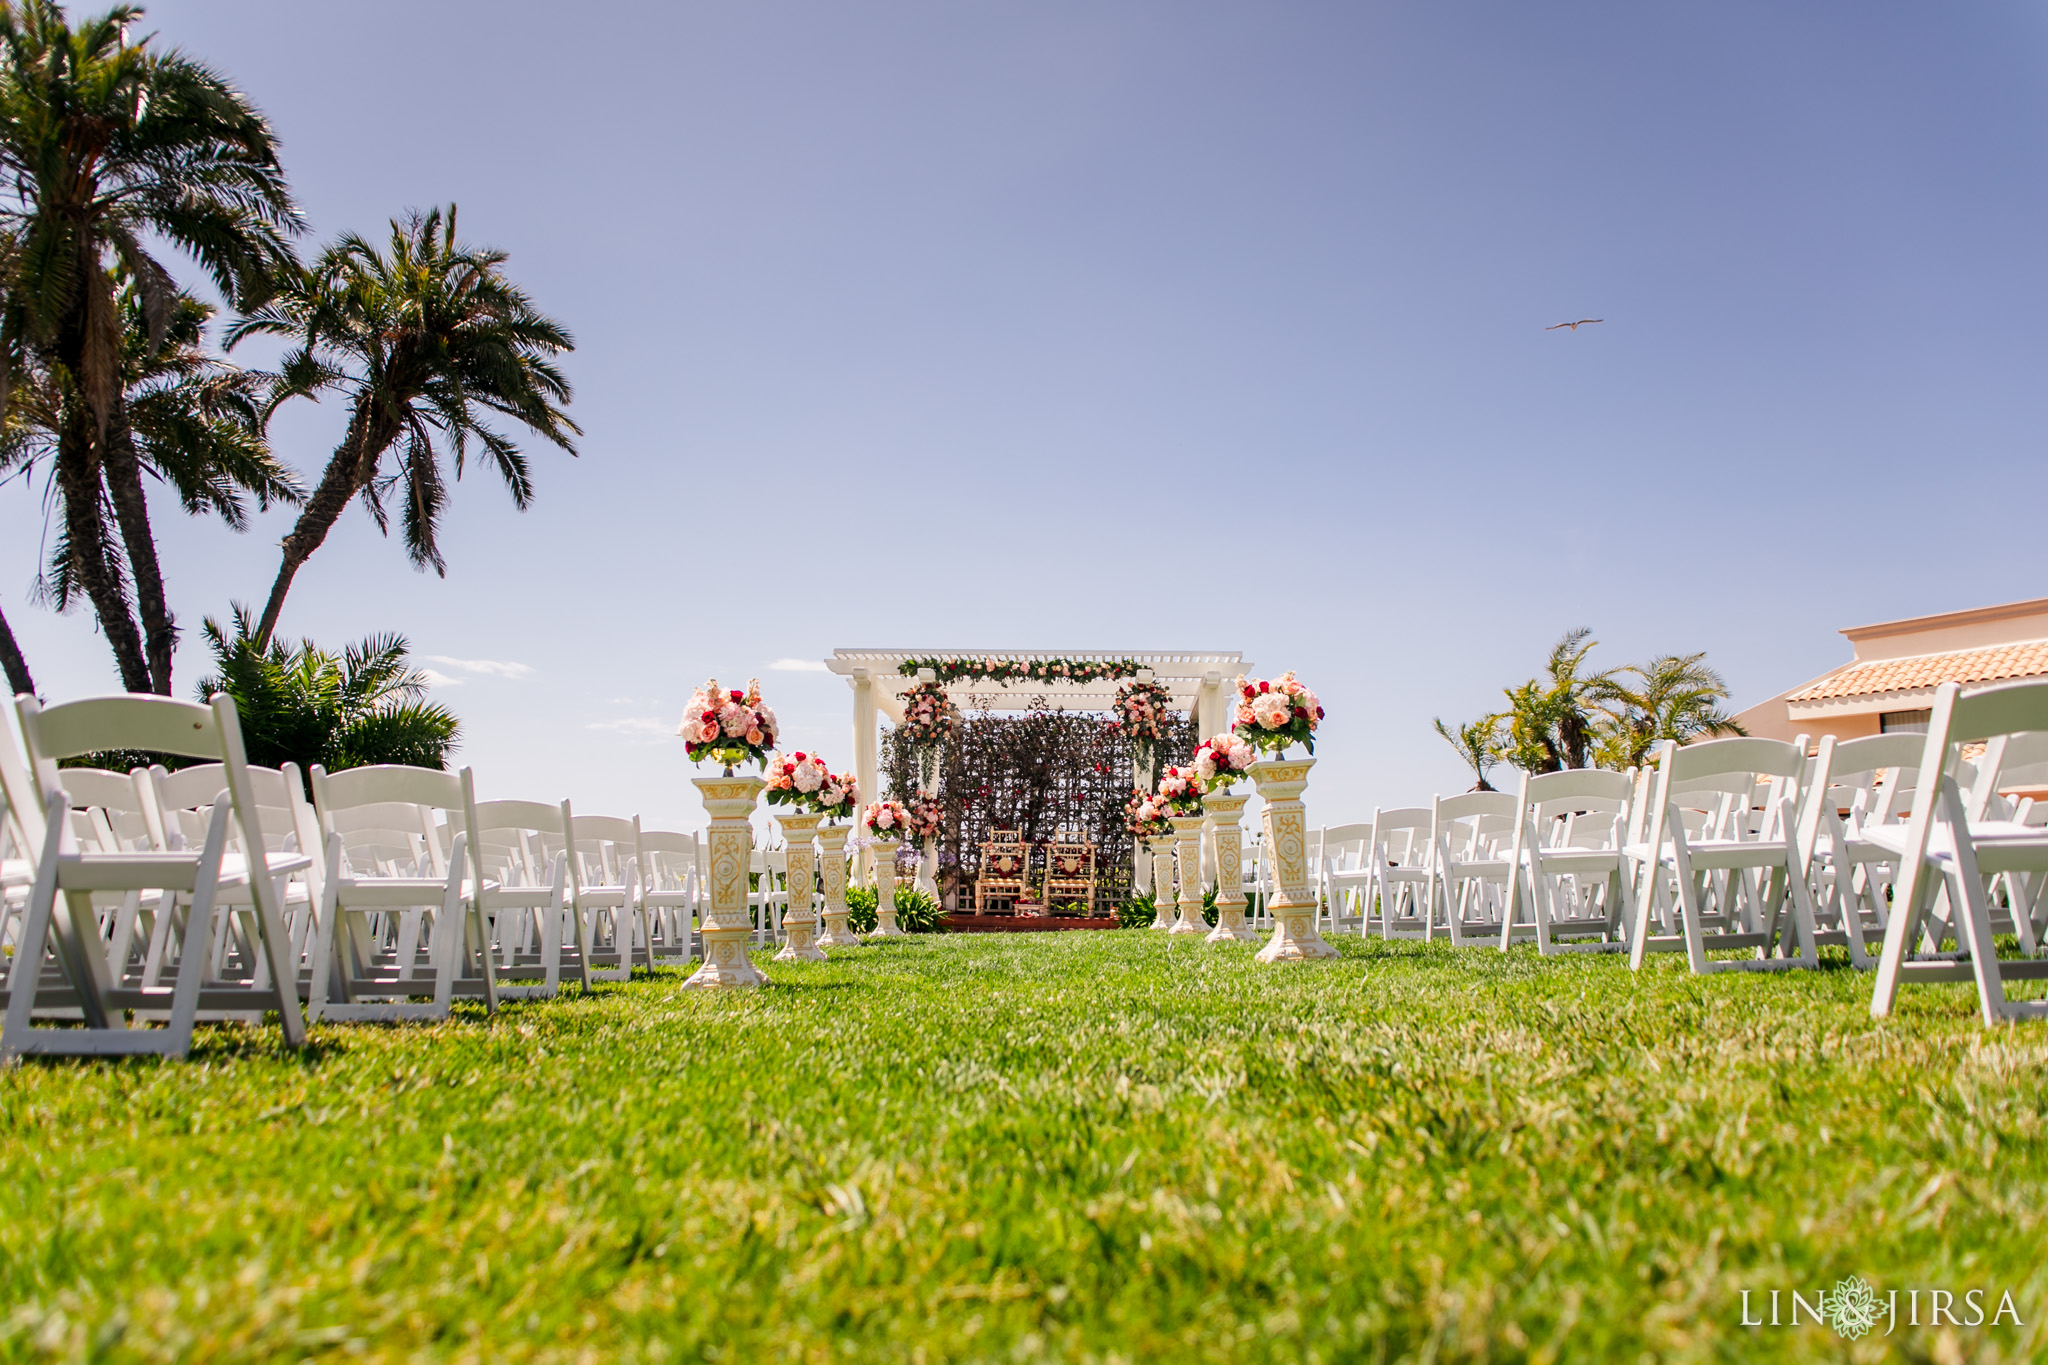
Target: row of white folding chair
point(402, 922)
point(62, 966)
point(155, 810)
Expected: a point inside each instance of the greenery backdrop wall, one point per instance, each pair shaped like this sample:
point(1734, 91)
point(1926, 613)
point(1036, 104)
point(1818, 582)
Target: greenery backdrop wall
point(1043, 771)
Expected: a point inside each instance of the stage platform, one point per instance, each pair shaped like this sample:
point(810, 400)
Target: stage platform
point(970, 923)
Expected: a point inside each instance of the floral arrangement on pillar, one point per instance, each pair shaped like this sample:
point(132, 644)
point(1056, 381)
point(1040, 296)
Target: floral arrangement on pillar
point(1181, 791)
point(1220, 763)
point(794, 781)
point(1274, 715)
point(1141, 709)
point(886, 822)
point(1152, 829)
point(836, 799)
point(731, 728)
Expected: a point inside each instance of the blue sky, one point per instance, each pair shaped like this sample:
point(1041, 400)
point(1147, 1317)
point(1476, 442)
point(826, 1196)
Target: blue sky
point(1170, 326)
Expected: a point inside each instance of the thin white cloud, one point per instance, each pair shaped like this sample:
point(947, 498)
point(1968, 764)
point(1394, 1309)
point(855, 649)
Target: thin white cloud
point(438, 679)
point(488, 668)
point(799, 666)
point(637, 727)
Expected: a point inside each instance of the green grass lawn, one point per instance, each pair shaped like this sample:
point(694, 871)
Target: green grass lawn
point(1063, 1146)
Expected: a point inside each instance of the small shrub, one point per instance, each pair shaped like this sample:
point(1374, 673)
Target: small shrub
point(860, 909)
point(1137, 913)
point(916, 912)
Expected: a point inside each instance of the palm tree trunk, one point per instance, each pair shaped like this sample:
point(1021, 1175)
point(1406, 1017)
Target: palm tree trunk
point(131, 510)
point(18, 680)
point(349, 471)
point(92, 561)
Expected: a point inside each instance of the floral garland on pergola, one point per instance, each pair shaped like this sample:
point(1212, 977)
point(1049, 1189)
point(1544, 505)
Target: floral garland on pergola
point(1024, 670)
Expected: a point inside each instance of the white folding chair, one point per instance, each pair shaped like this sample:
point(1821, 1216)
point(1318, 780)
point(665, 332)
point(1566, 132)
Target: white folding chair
point(395, 930)
point(1400, 871)
point(61, 960)
point(1870, 785)
point(1347, 875)
point(1571, 892)
point(1721, 854)
point(524, 859)
point(178, 801)
point(1940, 847)
point(668, 895)
point(1471, 836)
point(604, 874)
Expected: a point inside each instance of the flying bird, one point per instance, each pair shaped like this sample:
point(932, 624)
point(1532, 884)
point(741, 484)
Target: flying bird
point(1575, 326)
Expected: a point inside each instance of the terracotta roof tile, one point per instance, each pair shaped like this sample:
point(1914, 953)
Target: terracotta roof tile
point(2000, 663)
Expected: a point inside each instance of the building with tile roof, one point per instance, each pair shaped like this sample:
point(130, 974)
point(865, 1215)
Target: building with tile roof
point(1889, 684)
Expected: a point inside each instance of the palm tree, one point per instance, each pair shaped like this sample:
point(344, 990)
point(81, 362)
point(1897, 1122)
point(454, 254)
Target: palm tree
point(1478, 743)
point(15, 666)
point(185, 418)
point(427, 340)
point(105, 144)
point(300, 704)
point(1677, 697)
point(1553, 719)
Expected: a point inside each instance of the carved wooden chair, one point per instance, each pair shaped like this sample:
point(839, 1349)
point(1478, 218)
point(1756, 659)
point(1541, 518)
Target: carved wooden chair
point(1069, 872)
point(1005, 867)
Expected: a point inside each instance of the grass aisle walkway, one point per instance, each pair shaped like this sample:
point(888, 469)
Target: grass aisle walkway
point(1069, 1146)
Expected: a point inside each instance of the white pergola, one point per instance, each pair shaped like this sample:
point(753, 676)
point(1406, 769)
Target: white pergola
point(1194, 678)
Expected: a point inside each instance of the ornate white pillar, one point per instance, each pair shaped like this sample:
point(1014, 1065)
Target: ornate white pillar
point(832, 843)
point(1230, 925)
point(884, 853)
point(800, 921)
point(730, 803)
point(1162, 881)
point(1187, 842)
point(1295, 939)
point(885, 883)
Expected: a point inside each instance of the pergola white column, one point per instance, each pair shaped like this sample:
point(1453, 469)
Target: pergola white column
point(867, 756)
point(1212, 717)
point(867, 759)
point(1212, 708)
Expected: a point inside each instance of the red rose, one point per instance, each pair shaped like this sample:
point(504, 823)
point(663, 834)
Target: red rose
point(1263, 687)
